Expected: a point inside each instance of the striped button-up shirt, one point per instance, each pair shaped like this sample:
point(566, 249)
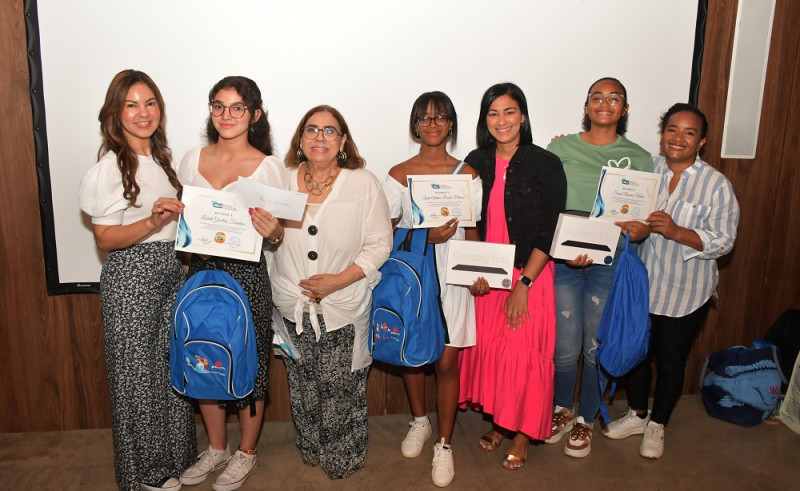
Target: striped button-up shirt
point(682, 278)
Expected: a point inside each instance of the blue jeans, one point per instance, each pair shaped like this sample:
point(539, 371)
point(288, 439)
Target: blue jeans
point(580, 298)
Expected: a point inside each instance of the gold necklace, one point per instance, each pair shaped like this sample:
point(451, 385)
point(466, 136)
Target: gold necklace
point(317, 188)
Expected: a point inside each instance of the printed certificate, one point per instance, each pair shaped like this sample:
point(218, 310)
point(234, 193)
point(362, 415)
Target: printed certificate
point(437, 198)
point(468, 259)
point(624, 195)
point(212, 224)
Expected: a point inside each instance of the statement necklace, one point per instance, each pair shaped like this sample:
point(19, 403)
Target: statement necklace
point(317, 188)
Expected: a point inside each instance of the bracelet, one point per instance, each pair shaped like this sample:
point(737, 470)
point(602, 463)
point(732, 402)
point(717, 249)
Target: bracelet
point(276, 239)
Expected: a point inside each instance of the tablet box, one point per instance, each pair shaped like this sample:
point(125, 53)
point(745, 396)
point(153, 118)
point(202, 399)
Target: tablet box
point(576, 235)
point(469, 259)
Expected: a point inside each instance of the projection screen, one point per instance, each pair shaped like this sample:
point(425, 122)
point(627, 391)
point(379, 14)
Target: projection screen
point(368, 59)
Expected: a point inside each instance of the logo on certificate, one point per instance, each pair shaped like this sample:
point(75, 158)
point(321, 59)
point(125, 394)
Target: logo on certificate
point(445, 211)
point(219, 237)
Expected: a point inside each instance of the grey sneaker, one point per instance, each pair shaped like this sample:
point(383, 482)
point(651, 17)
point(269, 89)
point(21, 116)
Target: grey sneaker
point(442, 469)
point(563, 420)
point(237, 471)
point(207, 462)
point(627, 425)
point(415, 439)
point(652, 446)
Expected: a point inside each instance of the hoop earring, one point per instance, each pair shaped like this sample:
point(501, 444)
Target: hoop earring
point(450, 132)
point(416, 133)
point(301, 156)
point(341, 158)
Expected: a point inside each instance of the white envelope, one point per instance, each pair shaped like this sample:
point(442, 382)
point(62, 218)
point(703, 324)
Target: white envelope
point(576, 235)
point(469, 259)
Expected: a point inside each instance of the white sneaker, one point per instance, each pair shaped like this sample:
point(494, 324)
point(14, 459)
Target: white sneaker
point(207, 462)
point(169, 483)
point(627, 425)
point(652, 446)
point(236, 473)
point(415, 439)
point(443, 469)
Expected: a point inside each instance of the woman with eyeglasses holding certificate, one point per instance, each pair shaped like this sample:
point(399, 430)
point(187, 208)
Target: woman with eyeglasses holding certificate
point(434, 125)
point(509, 372)
point(131, 193)
point(322, 278)
point(581, 287)
point(240, 145)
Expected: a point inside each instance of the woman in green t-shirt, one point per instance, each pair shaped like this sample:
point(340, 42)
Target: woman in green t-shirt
point(581, 287)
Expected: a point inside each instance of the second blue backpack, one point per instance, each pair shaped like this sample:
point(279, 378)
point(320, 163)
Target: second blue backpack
point(624, 331)
point(407, 324)
point(213, 351)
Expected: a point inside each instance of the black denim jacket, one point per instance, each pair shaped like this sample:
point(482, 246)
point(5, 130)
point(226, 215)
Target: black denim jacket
point(535, 193)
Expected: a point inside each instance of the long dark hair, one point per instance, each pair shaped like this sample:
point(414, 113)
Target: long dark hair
point(443, 105)
point(354, 160)
point(484, 138)
point(622, 124)
point(259, 134)
point(114, 136)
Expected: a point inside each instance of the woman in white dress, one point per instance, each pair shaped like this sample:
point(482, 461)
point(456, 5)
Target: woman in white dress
point(433, 124)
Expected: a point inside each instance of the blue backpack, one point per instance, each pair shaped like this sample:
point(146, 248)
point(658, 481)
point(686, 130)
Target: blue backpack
point(212, 340)
point(407, 323)
point(624, 331)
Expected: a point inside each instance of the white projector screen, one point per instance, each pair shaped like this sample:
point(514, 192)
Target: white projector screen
point(368, 59)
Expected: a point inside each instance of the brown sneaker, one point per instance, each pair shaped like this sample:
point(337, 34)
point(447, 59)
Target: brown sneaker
point(580, 439)
point(562, 423)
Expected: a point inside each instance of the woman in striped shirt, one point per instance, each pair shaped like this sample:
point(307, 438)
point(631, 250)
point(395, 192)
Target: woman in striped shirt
point(696, 224)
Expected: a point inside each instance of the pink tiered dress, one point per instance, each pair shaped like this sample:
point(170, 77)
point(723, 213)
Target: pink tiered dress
point(509, 373)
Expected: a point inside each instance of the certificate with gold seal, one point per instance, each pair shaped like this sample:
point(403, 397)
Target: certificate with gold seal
point(438, 198)
point(213, 224)
point(624, 195)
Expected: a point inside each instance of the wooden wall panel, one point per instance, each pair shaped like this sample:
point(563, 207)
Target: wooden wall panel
point(759, 279)
point(51, 348)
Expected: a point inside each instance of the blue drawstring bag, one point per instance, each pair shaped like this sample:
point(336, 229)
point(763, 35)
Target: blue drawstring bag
point(744, 384)
point(624, 331)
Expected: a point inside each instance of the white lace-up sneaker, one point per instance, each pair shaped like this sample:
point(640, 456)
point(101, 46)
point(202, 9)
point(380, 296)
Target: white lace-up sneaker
point(627, 425)
point(442, 469)
point(207, 462)
point(236, 473)
point(415, 439)
point(652, 446)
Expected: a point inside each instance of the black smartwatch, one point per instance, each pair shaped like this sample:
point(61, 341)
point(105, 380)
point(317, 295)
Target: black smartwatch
point(525, 280)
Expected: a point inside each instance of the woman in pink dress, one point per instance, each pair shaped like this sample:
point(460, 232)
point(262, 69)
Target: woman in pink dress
point(509, 372)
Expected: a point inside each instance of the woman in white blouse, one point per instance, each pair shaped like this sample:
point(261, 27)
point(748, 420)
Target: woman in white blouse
point(240, 145)
point(322, 278)
point(131, 194)
point(434, 125)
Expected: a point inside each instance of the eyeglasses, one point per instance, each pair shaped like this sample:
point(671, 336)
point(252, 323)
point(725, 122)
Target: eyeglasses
point(236, 111)
point(329, 133)
point(611, 100)
point(439, 119)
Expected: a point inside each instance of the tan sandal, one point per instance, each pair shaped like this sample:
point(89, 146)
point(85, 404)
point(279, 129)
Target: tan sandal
point(513, 463)
point(489, 444)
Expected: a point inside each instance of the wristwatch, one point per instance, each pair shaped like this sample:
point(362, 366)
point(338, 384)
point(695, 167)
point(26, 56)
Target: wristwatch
point(525, 280)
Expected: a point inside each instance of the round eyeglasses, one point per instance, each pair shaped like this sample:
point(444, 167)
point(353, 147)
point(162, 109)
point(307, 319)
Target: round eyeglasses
point(439, 119)
point(329, 133)
point(611, 100)
point(236, 111)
